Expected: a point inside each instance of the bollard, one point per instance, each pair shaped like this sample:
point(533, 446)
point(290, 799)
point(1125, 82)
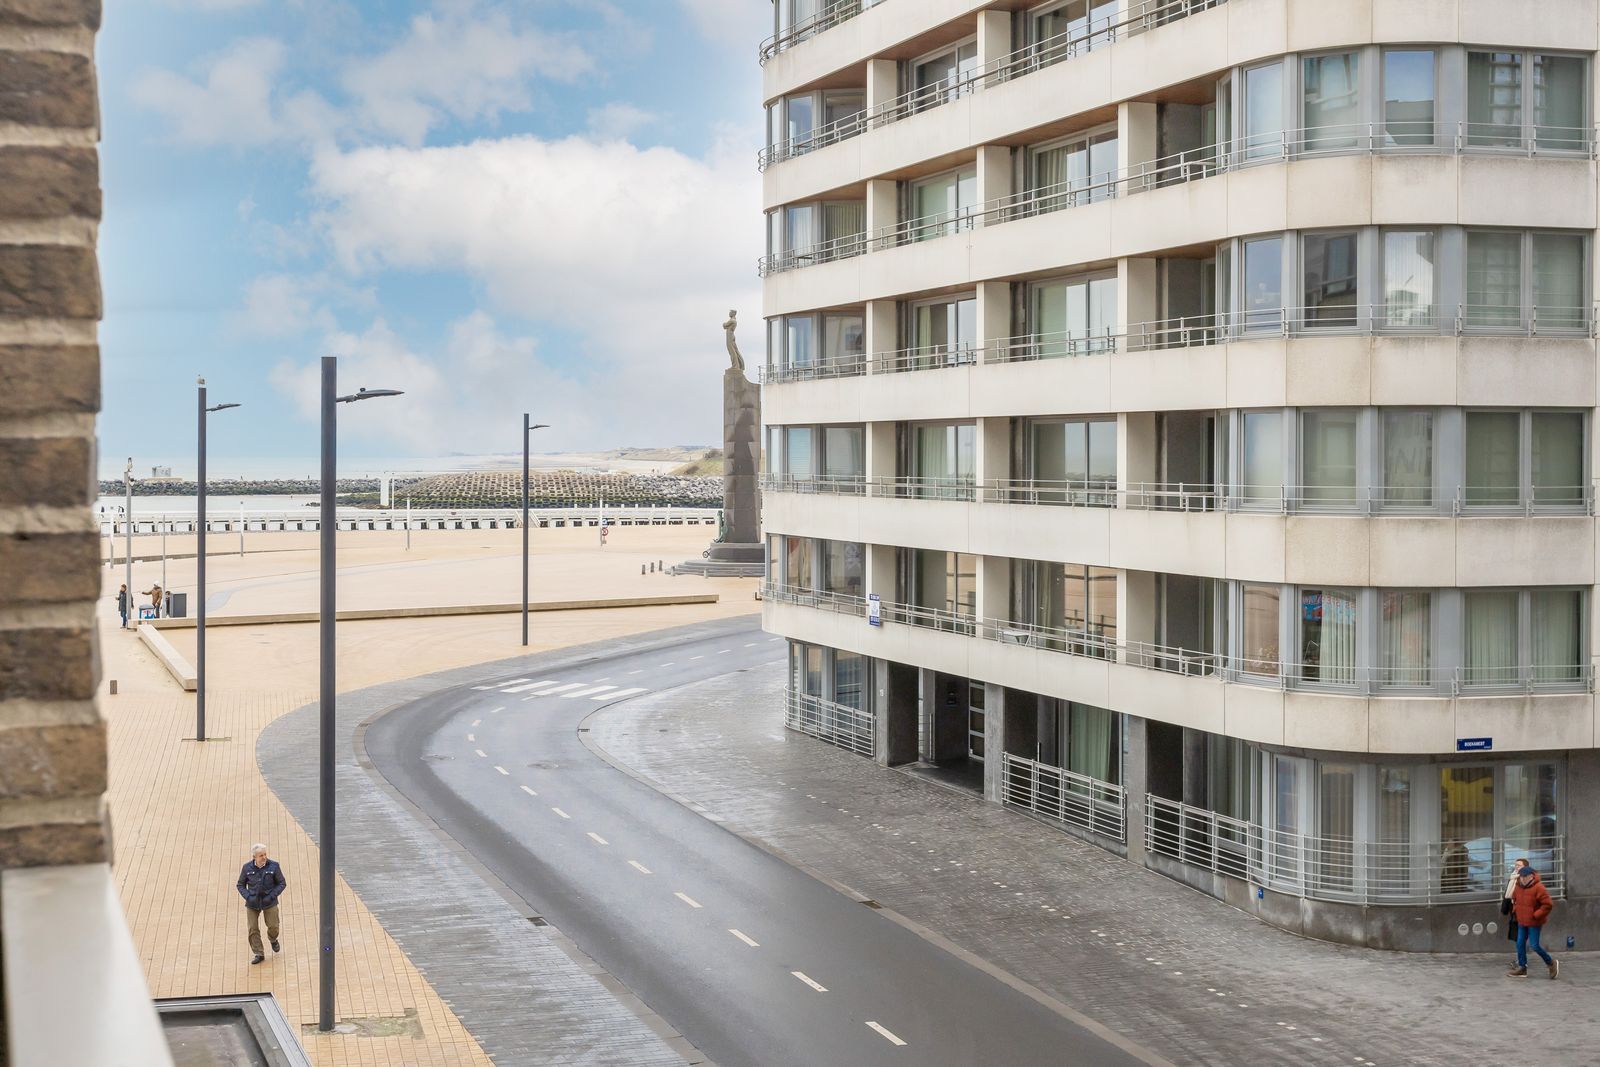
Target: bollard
point(113, 687)
point(641, 568)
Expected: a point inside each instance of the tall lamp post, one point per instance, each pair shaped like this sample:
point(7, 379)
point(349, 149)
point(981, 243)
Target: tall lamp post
point(327, 531)
point(127, 532)
point(200, 574)
point(527, 432)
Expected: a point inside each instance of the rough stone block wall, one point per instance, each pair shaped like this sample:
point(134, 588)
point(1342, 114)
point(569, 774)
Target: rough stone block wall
point(52, 738)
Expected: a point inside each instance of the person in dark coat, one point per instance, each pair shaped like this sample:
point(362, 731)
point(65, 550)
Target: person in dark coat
point(1531, 904)
point(260, 884)
point(1505, 901)
point(124, 604)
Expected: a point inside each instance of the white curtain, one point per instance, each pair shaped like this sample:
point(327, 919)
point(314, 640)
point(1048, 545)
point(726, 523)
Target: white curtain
point(1490, 656)
point(1558, 458)
point(1405, 651)
point(1328, 631)
point(1408, 278)
point(1494, 442)
point(1556, 628)
point(1091, 740)
point(1558, 280)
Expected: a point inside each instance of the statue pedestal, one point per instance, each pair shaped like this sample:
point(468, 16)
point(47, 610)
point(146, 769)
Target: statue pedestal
point(732, 552)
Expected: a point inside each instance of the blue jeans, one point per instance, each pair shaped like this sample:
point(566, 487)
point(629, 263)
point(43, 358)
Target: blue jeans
point(1529, 935)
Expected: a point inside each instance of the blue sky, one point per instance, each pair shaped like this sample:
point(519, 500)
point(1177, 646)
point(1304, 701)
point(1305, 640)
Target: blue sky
point(495, 206)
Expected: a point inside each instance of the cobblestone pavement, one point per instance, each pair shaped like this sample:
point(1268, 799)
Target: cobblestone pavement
point(1187, 976)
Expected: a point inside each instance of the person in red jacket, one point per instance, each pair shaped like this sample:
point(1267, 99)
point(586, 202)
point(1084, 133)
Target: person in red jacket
point(1531, 903)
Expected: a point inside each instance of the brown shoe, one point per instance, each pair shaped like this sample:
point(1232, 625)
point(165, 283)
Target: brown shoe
point(1555, 968)
point(1517, 972)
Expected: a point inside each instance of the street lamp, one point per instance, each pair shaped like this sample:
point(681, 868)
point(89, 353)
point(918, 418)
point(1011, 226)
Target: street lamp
point(328, 528)
point(527, 432)
point(200, 573)
point(127, 533)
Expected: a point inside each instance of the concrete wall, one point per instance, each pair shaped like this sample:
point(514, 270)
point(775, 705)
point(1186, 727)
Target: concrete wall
point(52, 739)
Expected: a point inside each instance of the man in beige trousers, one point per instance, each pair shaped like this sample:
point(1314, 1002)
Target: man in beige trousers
point(260, 884)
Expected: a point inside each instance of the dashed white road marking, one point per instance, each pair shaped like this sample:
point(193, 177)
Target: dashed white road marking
point(502, 770)
point(724, 652)
point(687, 900)
point(472, 737)
point(750, 644)
point(774, 639)
point(618, 695)
point(746, 938)
point(561, 813)
point(812, 982)
point(508, 681)
point(483, 688)
point(639, 671)
point(589, 691)
point(528, 791)
point(693, 658)
point(496, 711)
point(481, 753)
point(636, 865)
point(597, 839)
point(477, 722)
point(885, 1034)
point(668, 664)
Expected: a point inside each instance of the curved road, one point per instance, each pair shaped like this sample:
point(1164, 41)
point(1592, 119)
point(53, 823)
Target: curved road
point(752, 960)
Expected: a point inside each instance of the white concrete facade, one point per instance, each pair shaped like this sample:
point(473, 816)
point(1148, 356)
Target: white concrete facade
point(1270, 321)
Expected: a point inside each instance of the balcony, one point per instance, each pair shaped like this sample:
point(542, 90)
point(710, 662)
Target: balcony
point(835, 723)
point(805, 29)
point(1062, 796)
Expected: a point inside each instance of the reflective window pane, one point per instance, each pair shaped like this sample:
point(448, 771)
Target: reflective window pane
point(1558, 478)
point(1494, 278)
point(1263, 284)
point(1261, 460)
point(1466, 830)
point(1259, 633)
point(797, 451)
point(1409, 97)
point(1331, 101)
point(1329, 265)
point(1490, 653)
point(1494, 448)
point(1263, 112)
point(1558, 289)
point(1405, 639)
point(1555, 635)
point(1559, 86)
point(1407, 459)
point(1408, 294)
point(1494, 99)
point(1328, 458)
point(1328, 636)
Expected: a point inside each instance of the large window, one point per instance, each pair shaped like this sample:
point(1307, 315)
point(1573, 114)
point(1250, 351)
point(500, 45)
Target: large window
point(1261, 470)
point(1074, 316)
point(822, 345)
point(1328, 636)
point(1517, 637)
point(1407, 458)
point(944, 204)
point(799, 123)
point(944, 75)
point(1408, 280)
point(1534, 281)
point(1328, 263)
point(1065, 600)
point(943, 460)
point(1410, 96)
point(1064, 28)
point(844, 454)
point(943, 582)
point(944, 332)
point(843, 567)
point(1331, 101)
point(1263, 112)
point(1517, 459)
point(1262, 298)
point(1073, 171)
point(1259, 633)
point(1071, 461)
point(1328, 458)
point(802, 234)
point(1405, 638)
point(1517, 99)
point(1091, 742)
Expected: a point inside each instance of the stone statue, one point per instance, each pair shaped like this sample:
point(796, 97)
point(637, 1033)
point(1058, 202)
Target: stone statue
point(732, 341)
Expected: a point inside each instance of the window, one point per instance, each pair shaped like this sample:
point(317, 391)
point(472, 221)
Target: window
point(1062, 30)
point(1263, 112)
point(943, 460)
point(1263, 284)
point(1527, 282)
point(1064, 600)
point(801, 234)
point(1555, 633)
point(1331, 101)
point(1409, 97)
point(797, 572)
point(800, 340)
point(1073, 316)
point(1558, 281)
point(1537, 100)
point(1067, 173)
point(1261, 460)
point(944, 76)
point(1259, 633)
point(1328, 636)
point(1466, 829)
point(1329, 265)
point(844, 454)
point(1072, 460)
point(843, 567)
point(800, 113)
point(944, 332)
point(1405, 639)
point(797, 453)
point(1490, 652)
point(1328, 458)
point(1517, 458)
point(1529, 812)
point(944, 581)
point(1408, 288)
point(850, 679)
point(943, 205)
point(1336, 826)
point(1407, 458)
point(1092, 741)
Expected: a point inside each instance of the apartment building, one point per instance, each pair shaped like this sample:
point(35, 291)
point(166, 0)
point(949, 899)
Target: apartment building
point(1180, 430)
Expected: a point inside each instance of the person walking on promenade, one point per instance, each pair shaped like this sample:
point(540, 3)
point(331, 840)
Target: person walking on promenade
point(154, 593)
point(261, 883)
point(124, 604)
point(1531, 903)
point(1505, 901)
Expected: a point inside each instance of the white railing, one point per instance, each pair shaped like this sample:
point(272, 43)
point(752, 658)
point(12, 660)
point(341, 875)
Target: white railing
point(840, 367)
point(1345, 870)
point(1064, 796)
point(824, 484)
point(903, 487)
point(835, 723)
point(825, 19)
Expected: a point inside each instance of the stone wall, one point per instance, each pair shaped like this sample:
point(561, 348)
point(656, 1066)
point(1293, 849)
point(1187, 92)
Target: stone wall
point(52, 739)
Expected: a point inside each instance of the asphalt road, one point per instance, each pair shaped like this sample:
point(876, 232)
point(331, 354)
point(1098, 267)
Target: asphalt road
point(752, 960)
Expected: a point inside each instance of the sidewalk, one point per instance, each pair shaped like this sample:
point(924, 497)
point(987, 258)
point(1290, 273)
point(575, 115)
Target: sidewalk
point(184, 815)
point(1191, 978)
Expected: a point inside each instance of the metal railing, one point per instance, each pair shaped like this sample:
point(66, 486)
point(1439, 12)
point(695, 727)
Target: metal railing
point(825, 19)
point(827, 600)
point(1064, 796)
point(824, 484)
point(912, 487)
point(840, 129)
point(835, 723)
point(846, 247)
point(944, 619)
point(1346, 870)
point(840, 367)
point(1070, 492)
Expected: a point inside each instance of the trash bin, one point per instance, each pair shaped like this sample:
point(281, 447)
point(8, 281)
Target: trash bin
point(177, 605)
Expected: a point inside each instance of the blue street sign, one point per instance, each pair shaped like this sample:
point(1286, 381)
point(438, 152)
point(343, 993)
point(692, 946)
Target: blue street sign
point(1474, 744)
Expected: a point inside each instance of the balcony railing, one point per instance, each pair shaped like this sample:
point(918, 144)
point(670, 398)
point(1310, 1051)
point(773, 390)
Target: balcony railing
point(1262, 667)
point(840, 129)
point(824, 484)
point(911, 487)
point(836, 248)
point(1063, 796)
point(1345, 870)
point(835, 723)
point(825, 19)
point(815, 370)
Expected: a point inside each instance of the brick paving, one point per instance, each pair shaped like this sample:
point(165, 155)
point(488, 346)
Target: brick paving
point(1193, 979)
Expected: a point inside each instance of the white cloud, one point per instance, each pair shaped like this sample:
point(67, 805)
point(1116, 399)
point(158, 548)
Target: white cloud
point(736, 23)
point(233, 102)
point(637, 252)
point(618, 120)
point(291, 305)
point(466, 61)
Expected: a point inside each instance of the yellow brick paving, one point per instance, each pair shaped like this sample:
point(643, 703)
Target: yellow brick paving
point(184, 815)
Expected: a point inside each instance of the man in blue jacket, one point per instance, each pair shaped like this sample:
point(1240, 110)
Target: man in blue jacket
point(261, 883)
